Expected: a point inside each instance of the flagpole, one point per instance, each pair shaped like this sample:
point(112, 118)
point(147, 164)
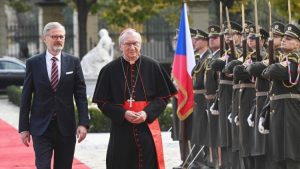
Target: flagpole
point(184, 62)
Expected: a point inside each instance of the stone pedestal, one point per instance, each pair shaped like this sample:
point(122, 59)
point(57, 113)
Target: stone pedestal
point(90, 85)
point(198, 12)
point(49, 11)
point(3, 31)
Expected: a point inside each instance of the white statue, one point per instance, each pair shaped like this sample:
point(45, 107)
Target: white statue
point(99, 56)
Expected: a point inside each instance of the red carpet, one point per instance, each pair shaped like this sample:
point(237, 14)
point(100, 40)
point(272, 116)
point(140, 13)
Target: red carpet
point(15, 155)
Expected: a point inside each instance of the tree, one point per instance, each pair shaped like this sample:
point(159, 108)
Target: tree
point(116, 12)
point(83, 8)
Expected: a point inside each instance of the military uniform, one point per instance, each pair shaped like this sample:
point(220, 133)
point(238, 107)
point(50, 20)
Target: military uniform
point(211, 86)
point(200, 119)
point(225, 96)
point(284, 107)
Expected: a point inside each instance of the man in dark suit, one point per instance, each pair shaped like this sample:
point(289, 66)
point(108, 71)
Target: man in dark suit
point(53, 80)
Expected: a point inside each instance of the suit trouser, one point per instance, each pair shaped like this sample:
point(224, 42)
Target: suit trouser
point(52, 141)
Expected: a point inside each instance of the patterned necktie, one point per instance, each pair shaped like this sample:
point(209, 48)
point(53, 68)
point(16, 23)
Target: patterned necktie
point(54, 74)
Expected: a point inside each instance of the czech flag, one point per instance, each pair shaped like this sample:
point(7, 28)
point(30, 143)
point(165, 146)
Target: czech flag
point(184, 62)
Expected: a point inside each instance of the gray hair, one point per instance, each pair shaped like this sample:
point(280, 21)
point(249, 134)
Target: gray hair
point(129, 31)
point(52, 25)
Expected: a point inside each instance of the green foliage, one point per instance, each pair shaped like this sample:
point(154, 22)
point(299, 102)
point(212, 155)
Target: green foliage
point(99, 122)
point(14, 94)
point(19, 5)
point(125, 12)
point(282, 8)
point(165, 119)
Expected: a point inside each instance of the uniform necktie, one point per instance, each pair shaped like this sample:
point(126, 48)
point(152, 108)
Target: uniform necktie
point(54, 74)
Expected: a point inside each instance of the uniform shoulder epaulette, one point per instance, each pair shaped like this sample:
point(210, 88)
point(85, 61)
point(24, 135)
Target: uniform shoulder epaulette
point(293, 57)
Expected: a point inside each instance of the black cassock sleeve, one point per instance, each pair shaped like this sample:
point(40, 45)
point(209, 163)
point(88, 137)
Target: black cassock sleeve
point(164, 90)
point(103, 98)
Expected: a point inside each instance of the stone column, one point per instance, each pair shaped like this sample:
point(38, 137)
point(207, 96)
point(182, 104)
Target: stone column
point(198, 13)
point(49, 11)
point(3, 31)
point(92, 31)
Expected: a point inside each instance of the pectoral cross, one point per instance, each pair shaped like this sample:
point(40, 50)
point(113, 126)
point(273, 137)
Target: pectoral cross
point(130, 101)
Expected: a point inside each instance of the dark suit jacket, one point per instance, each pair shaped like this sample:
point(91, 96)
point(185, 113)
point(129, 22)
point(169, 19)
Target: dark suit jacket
point(39, 102)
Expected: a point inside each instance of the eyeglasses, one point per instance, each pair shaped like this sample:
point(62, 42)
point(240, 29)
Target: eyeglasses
point(129, 44)
point(56, 37)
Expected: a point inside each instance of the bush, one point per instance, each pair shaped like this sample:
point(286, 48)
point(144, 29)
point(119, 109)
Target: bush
point(14, 94)
point(100, 123)
point(165, 119)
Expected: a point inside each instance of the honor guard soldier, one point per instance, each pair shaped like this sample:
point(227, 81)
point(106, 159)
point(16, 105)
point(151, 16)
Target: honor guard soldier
point(284, 103)
point(211, 86)
point(233, 40)
point(200, 119)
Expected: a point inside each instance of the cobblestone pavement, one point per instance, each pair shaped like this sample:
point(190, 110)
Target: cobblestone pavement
point(92, 150)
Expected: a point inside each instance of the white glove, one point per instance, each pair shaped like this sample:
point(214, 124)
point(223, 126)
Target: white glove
point(213, 112)
point(236, 120)
point(250, 122)
point(229, 118)
point(261, 128)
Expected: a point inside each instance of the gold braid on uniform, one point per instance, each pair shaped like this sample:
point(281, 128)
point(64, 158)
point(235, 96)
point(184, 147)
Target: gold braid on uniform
point(199, 68)
point(249, 55)
point(278, 54)
point(238, 52)
point(292, 57)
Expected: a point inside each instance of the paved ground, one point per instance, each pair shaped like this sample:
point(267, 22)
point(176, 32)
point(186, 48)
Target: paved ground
point(92, 150)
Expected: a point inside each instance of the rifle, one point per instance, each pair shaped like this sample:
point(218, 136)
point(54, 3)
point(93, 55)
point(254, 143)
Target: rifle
point(222, 30)
point(231, 42)
point(244, 36)
point(257, 37)
point(270, 40)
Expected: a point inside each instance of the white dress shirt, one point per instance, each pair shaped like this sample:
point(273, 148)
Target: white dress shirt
point(49, 63)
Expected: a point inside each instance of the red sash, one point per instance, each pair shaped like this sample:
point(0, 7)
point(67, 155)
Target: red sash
point(154, 129)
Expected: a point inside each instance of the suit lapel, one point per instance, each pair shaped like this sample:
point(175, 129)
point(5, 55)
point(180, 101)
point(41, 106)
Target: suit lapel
point(44, 71)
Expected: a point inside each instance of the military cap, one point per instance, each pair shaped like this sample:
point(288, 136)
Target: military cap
point(214, 30)
point(193, 32)
point(235, 27)
point(264, 34)
point(201, 34)
point(247, 24)
point(278, 28)
point(252, 33)
point(292, 31)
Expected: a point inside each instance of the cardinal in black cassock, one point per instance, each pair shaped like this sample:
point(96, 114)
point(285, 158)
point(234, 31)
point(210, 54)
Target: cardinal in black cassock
point(133, 90)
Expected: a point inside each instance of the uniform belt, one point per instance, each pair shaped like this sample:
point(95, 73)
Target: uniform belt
point(285, 96)
point(227, 82)
point(247, 85)
point(261, 94)
point(236, 86)
point(202, 91)
point(210, 96)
